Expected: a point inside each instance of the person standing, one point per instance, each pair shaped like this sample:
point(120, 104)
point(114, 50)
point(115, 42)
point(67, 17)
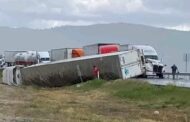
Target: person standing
point(174, 71)
point(96, 72)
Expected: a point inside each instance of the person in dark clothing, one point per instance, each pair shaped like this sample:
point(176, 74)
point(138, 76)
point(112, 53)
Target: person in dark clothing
point(174, 71)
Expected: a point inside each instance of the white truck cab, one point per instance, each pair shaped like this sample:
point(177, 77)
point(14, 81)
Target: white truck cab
point(43, 57)
point(153, 65)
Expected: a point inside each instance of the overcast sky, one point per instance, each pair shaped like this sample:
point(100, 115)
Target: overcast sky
point(40, 14)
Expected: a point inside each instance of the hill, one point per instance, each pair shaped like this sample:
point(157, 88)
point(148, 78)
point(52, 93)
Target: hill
point(170, 44)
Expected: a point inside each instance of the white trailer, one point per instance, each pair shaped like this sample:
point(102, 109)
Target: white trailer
point(10, 57)
point(61, 54)
point(131, 64)
point(91, 49)
point(94, 49)
point(121, 65)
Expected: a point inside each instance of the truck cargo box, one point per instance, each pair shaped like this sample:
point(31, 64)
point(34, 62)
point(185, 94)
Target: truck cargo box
point(66, 53)
point(121, 65)
point(108, 49)
point(61, 54)
point(95, 49)
point(124, 47)
point(77, 52)
point(10, 57)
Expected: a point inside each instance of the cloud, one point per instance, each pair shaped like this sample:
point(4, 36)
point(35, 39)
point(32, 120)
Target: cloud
point(53, 13)
point(114, 6)
point(183, 27)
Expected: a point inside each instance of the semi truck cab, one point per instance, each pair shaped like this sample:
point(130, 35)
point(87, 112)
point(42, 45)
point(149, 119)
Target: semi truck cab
point(43, 57)
point(153, 65)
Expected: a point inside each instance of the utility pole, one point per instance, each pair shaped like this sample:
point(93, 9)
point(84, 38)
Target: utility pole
point(186, 59)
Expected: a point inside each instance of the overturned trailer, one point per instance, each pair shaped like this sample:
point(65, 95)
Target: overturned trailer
point(121, 65)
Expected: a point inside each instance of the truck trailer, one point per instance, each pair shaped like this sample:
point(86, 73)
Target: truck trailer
point(120, 65)
point(65, 53)
point(26, 58)
point(9, 57)
point(101, 48)
point(31, 57)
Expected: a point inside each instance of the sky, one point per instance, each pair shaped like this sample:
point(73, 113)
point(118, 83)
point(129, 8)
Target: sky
point(42, 14)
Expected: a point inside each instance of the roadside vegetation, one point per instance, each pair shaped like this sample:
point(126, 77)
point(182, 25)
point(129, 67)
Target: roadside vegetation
point(142, 93)
point(96, 100)
point(1, 73)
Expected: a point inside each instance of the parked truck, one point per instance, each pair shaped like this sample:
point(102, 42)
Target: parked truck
point(43, 57)
point(9, 57)
point(66, 53)
point(31, 57)
point(153, 65)
point(26, 58)
point(101, 48)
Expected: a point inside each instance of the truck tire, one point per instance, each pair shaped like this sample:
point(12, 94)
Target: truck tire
point(143, 76)
point(161, 76)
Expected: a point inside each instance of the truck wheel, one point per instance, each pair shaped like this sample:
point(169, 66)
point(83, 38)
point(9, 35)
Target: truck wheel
point(145, 76)
point(161, 76)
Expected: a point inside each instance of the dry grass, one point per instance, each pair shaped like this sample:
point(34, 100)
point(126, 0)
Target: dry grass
point(70, 104)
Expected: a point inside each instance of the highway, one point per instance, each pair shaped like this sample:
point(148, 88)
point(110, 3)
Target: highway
point(164, 82)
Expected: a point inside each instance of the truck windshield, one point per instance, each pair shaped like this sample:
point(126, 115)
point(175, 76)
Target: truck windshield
point(45, 59)
point(154, 57)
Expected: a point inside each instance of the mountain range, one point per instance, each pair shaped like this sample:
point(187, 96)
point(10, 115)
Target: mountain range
point(171, 45)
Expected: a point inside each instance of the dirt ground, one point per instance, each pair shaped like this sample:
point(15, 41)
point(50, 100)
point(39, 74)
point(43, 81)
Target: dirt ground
point(33, 104)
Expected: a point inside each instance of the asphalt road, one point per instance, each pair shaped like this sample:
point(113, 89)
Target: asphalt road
point(164, 82)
